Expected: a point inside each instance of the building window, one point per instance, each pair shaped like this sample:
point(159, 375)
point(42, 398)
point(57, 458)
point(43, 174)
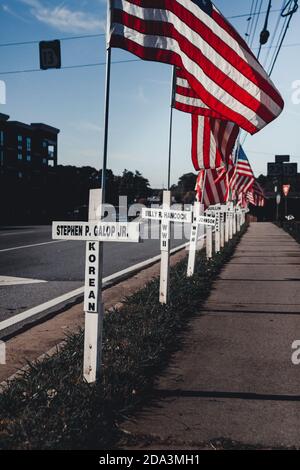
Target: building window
point(45, 161)
point(20, 175)
point(45, 144)
point(28, 144)
point(51, 163)
point(28, 158)
point(20, 157)
point(51, 151)
point(1, 138)
point(20, 139)
point(1, 158)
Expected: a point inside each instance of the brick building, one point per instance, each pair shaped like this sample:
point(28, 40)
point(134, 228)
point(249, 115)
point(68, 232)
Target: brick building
point(26, 149)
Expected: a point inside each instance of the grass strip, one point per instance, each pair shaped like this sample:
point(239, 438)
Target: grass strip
point(50, 407)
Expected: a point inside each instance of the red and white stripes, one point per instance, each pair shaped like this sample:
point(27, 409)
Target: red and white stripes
point(218, 64)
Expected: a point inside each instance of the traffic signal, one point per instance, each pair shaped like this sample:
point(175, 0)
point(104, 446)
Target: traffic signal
point(50, 55)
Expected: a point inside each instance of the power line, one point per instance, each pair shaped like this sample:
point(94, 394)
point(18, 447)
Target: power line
point(256, 23)
point(69, 38)
point(288, 15)
point(79, 66)
point(97, 64)
point(252, 24)
point(274, 34)
point(87, 36)
point(244, 15)
point(249, 19)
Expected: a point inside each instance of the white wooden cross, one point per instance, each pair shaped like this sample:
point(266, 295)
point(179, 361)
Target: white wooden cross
point(198, 220)
point(166, 216)
point(94, 232)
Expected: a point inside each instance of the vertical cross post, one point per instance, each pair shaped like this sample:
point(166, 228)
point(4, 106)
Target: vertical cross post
point(226, 234)
point(93, 306)
point(194, 240)
point(165, 252)
point(222, 230)
point(238, 222)
point(234, 214)
point(217, 234)
point(230, 219)
point(2, 353)
point(209, 242)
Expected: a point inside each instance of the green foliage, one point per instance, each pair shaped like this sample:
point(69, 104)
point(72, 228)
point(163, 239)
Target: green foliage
point(50, 407)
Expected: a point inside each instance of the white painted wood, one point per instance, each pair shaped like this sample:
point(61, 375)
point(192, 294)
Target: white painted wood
point(165, 252)
point(234, 223)
point(230, 219)
point(193, 240)
point(2, 353)
point(167, 214)
point(209, 241)
point(217, 234)
point(238, 221)
point(222, 230)
point(226, 233)
point(93, 320)
point(97, 231)
point(207, 220)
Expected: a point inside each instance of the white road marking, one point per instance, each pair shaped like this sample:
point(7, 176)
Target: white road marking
point(29, 246)
point(77, 292)
point(15, 281)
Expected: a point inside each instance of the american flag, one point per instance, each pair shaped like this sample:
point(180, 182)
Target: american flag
point(194, 36)
point(243, 178)
point(211, 187)
point(213, 139)
point(256, 195)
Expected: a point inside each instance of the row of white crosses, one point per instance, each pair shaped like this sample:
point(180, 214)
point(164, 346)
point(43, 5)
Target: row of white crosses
point(224, 220)
point(96, 231)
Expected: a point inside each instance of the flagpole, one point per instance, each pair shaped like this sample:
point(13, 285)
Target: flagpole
point(106, 101)
point(106, 118)
point(171, 125)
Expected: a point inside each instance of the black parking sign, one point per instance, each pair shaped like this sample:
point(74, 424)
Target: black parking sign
point(50, 55)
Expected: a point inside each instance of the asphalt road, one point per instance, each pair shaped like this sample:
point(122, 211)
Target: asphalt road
point(30, 252)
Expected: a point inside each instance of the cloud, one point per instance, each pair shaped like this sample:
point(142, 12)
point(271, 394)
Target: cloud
point(86, 126)
point(141, 97)
point(9, 11)
point(64, 19)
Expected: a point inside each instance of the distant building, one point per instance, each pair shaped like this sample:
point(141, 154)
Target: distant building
point(26, 149)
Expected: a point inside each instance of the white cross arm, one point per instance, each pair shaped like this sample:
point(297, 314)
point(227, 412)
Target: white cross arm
point(205, 220)
point(167, 215)
point(99, 231)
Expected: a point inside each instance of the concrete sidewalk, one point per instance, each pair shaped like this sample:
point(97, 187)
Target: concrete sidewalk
point(234, 379)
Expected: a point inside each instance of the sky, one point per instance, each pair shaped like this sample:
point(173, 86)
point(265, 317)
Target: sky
point(73, 99)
